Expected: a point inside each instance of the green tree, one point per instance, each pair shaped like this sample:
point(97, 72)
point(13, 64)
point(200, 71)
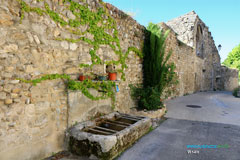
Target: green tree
point(233, 59)
point(158, 74)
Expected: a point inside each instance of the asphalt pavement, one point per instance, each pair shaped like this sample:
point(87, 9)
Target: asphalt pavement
point(201, 126)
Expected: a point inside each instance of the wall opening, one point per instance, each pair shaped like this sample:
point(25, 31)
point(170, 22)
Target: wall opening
point(199, 42)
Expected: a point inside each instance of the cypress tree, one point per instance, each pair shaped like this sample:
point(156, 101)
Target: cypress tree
point(158, 74)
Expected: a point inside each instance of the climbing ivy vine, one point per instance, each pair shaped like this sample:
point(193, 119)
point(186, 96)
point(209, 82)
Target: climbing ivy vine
point(105, 88)
point(46, 77)
point(101, 26)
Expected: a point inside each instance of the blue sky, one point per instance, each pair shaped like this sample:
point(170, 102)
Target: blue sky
point(221, 16)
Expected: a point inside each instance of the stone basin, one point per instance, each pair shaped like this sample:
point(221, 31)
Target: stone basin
point(107, 136)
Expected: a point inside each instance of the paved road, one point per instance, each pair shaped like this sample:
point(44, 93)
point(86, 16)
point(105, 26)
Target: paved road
point(217, 122)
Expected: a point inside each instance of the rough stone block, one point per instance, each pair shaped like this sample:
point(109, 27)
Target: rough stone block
point(36, 39)
point(14, 81)
point(39, 28)
point(9, 69)
point(64, 44)
point(8, 101)
point(6, 19)
point(30, 37)
point(14, 95)
point(3, 95)
point(105, 145)
point(71, 70)
point(73, 46)
point(16, 90)
point(29, 69)
point(8, 88)
point(10, 48)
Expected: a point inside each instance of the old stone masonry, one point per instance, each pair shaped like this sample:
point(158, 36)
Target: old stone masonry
point(44, 37)
point(197, 57)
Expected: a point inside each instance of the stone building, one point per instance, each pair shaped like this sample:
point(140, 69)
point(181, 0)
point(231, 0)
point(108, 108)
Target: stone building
point(33, 119)
point(196, 56)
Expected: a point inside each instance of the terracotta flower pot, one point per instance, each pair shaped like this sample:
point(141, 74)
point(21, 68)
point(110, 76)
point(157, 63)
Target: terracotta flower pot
point(82, 78)
point(112, 76)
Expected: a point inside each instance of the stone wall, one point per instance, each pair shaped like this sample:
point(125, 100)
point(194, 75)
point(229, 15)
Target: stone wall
point(195, 54)
point(193, 71)
point(184, 59)
point(33, 118)
point(228, 80)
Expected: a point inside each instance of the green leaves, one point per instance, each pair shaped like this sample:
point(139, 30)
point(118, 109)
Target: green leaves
point(47, 77)
point(84, 16)
point(159, 75)
point(105, 88)
point(54, 16)
point(233, 59)
point(235, 91)
point(101, 26)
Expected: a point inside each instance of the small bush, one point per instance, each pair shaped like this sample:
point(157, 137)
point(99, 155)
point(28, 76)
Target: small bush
point(147, 98)
point(235, 91)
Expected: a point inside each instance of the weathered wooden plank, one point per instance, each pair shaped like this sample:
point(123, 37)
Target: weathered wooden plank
point(100, 132)
point(116, 124)
point(106, 129)
point(119, 122)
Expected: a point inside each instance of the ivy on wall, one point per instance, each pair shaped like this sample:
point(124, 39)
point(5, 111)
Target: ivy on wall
point(105, 88)
point(101, 26)
point(46, 77)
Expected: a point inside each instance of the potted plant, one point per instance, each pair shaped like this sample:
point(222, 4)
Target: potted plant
point(102, 78)
point(82, 77)
point(112, 74)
